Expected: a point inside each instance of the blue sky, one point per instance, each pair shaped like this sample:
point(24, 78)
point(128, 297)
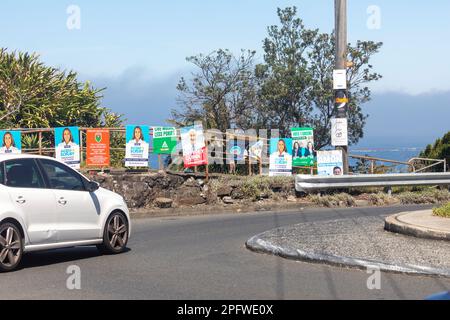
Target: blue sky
point(138, 48)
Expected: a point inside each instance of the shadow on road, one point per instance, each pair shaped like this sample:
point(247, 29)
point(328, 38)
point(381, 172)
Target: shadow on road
point(56, 256)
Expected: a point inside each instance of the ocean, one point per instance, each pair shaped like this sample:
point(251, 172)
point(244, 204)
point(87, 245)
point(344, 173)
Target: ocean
point(403, 154)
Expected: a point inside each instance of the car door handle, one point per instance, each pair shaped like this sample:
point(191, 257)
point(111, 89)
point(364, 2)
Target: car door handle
point(21, 200)
point(62, 201)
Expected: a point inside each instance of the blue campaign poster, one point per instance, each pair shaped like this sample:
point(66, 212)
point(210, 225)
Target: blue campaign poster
point(67, 146)
point(10, 142)
point(137, 146)
point(280, 157)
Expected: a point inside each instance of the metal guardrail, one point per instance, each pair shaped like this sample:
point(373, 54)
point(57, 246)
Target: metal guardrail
point(308, 183)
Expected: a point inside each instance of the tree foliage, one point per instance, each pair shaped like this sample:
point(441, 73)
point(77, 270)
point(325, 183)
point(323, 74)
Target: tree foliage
point(222, 93)
point(33, 95)
point(439, 150)
point(292, 87)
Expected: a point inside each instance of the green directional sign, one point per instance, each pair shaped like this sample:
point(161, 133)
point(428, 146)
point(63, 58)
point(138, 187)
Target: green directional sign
point(164, 140)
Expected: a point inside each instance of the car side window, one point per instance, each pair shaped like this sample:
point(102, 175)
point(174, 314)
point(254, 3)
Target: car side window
point(23, 173)
point(2, 175)
point(61, 177)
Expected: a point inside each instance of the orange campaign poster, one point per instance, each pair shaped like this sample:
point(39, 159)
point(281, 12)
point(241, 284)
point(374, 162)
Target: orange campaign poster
point(97, 148)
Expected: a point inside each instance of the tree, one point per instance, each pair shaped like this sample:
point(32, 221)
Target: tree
point(293, 87)
point(439, 150)
point(33, 95)
point(297, 84)
point(222, 93)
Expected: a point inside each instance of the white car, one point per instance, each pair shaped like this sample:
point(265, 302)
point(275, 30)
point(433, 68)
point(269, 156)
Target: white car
point(44, 204)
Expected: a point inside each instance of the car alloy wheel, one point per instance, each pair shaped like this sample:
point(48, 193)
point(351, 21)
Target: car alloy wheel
point(115, 237)
point(10, 247)
point(117, 232)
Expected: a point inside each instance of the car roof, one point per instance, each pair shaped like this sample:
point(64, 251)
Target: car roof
point(5, 157)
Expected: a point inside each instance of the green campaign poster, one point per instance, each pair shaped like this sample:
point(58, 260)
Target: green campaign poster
point(164, 140)
point(303, 152)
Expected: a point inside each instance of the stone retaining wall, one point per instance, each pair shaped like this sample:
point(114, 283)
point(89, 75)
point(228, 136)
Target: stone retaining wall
point(167, 189)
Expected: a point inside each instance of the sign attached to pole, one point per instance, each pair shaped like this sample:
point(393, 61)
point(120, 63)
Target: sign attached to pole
point(339, 132)
point(340, 79)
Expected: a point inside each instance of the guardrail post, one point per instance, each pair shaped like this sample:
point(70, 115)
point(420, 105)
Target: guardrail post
point(388, 190)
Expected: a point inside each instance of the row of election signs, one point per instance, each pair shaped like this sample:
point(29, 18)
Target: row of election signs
point(284, 152)
point(67, 145)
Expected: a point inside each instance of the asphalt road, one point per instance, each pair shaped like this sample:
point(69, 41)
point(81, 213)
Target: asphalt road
point(204, 257)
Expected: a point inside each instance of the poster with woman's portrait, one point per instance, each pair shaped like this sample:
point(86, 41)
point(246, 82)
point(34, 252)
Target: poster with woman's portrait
point(194, 147)
point(67, 146)
point(303, 152)
point(137, 146)
point(280, 157)
point(10, 142)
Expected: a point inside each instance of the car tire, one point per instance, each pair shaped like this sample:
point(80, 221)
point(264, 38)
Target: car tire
point(11, 247)
point(115, 234)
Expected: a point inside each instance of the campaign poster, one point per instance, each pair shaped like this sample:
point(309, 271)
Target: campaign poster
point(97, 148)
point(10, 142)
point(67, 146)
point(255, 150)
point(164, 140)
point(330, 163)
point(303, 153)
point(280, 157)
point(194, 147)
point(236, 149)
point(137, 146)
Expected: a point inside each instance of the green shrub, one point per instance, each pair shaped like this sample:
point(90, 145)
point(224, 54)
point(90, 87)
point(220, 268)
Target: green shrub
point(443, 211)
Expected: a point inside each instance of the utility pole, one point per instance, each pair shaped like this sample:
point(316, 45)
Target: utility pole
point(341, 95)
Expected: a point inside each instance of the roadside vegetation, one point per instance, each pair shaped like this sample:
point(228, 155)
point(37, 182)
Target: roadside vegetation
point(443, 211)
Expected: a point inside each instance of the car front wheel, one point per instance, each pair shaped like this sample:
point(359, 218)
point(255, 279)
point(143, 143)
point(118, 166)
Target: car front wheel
point(11, 247)
point(115, 235)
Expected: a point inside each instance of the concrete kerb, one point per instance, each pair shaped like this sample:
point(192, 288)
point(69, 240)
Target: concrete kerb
point(393, 224)
point(257, 244)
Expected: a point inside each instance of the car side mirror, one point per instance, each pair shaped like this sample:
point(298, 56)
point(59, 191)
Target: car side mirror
point(93, 186)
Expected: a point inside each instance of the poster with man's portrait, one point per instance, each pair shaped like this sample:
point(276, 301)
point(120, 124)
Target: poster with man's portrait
point(67, 146)
point(10, 142)
point(330, 163)
point(194, 147)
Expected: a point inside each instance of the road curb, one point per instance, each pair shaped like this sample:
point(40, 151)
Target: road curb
point(258, 244)
point(393, 224)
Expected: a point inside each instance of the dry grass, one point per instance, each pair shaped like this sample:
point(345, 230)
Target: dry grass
point(335, 200)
